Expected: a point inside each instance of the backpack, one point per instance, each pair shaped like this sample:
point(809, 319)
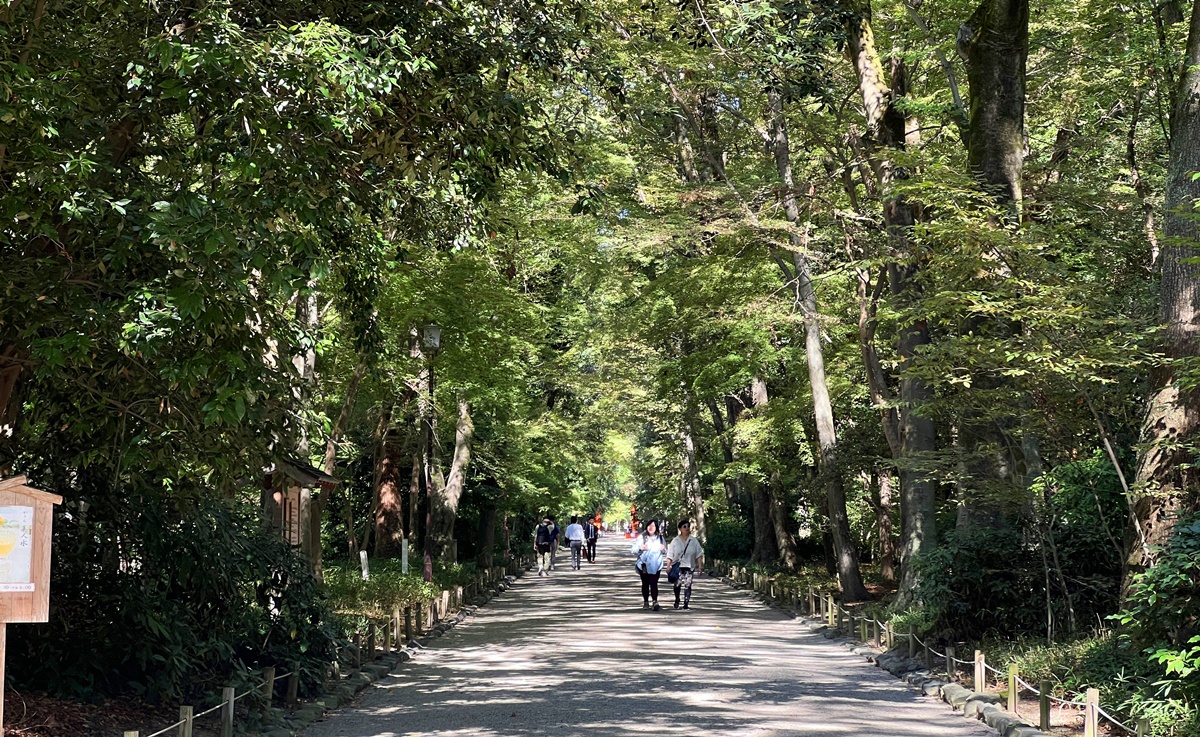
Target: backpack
point(544, 534)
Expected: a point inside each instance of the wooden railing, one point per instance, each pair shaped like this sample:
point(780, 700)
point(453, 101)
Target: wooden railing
point(823, 606)
point(409, 622)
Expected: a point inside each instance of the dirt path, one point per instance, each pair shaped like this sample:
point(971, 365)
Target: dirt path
point(575, 654)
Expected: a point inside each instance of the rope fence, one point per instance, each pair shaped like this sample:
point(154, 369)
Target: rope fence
point(823, 606)
point(404, 624)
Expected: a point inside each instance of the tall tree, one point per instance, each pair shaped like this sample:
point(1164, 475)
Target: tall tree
point(1167, 484)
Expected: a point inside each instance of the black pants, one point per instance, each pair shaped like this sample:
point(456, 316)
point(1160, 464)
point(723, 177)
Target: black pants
point(650, 585)
point(591, 550)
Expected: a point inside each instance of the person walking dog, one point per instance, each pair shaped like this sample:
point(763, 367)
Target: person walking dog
point(685, 551)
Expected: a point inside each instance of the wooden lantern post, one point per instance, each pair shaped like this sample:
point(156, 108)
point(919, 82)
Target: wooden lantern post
point(26, 518)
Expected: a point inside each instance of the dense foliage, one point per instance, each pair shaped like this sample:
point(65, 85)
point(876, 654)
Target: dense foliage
point(794, 269)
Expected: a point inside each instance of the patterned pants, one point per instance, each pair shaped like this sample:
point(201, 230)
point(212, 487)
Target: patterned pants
point(685, 583)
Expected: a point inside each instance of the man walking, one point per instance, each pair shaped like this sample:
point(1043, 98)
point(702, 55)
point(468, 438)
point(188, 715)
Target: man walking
point(554, 533)
point(574, 534)
point(591, 531)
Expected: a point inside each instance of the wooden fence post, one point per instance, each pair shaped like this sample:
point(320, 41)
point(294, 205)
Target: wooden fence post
point(227, 696)
point(928, 656)
point(420, 619)
point(1142, 727)
point(268, 688)
point(408, 625)
point(387, 635)
point(131, 733)
point(293, 688)
point(1091, 713)
point(830, 610)
point(875, 632)
point(1013, 700)
point(445, 610)
point(357, 652)
point(951, 669)
point(1044, 706)
point(980, 682)
point(841, 613)
point(371, 627)
point(185, 716)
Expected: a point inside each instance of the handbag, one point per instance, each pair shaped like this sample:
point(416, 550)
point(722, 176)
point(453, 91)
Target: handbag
point(673, 574)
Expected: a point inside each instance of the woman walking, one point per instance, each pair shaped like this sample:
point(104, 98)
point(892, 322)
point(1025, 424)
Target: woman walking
point(650, 549)
point(685, 550)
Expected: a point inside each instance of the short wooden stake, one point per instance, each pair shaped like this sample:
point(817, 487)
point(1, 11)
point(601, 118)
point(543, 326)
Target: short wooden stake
point(1142, 727)
point(840, 618)
point(185, 716)
point(831, 610)
point(1044, 706)
point(1091, 713)
point(358, 659)
point(420, 619)
point(408, 625)
point(890, 633)
point(862, 629)
point(928, 656)
point(387, 637)
point(875, 632)
point(371, 627)
point(293, 689)
point(131, 733)
point(227, 696)
point(1013, 693)
point(951, 669)
point(268, 688)
point(980, 672)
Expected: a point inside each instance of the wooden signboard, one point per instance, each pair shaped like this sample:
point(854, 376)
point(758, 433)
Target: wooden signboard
point(26, 517)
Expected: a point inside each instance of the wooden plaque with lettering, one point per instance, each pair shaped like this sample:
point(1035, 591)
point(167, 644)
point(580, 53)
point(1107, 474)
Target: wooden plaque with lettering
point(26, 519)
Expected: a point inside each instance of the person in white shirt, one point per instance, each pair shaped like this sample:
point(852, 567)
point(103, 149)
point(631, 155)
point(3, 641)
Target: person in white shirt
point(574, 534)
point(687, 551)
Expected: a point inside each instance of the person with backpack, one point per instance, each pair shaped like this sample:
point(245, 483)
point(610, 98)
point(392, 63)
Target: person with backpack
point(684, 551)
point(650, 548)
point(591, 531)
point(555, 531)
point(543, 543)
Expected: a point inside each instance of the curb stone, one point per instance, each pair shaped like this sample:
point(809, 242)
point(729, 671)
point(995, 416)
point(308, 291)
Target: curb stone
point(290, 724)
point(982, 706)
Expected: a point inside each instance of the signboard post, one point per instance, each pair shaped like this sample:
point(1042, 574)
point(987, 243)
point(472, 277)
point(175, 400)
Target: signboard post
point(26, 519)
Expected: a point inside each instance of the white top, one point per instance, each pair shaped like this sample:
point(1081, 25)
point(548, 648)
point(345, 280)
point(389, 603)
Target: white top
point(574, 531)
point(687, 553)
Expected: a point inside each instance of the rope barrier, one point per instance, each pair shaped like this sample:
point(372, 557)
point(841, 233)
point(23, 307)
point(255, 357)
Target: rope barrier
point(994, 670)
point(1027, 685)
point(210, 711)
point(285, 675)
point(964, 662)
point(164, 730)
point(1110, 718)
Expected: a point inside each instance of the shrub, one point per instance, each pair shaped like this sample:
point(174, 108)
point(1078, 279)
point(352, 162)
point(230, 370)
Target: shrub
point(166, 599)
point(728, 540)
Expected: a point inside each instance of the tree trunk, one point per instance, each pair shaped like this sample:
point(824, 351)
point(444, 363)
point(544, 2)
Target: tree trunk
point(733, 491)
point(389, 499)
point(690, 482)
point(1166, 476)
point(766, 544)
point(487, 534)
point(448, 494)
point(846, 552)
point(995, 43)
point(881, 497)
point(886, 127)
point(781, 521)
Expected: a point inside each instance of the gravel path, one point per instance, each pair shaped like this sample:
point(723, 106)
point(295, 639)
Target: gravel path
point(575, 654)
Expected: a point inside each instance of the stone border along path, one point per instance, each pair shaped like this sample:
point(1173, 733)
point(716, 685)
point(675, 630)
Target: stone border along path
point(983, 706)
point(575, 654)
